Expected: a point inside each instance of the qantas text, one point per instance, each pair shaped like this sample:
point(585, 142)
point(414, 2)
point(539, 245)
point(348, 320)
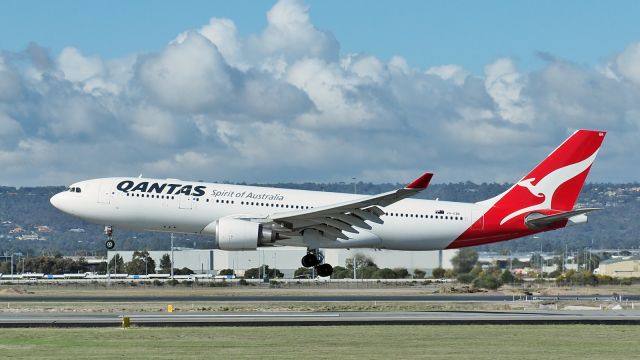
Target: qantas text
point(164, 188)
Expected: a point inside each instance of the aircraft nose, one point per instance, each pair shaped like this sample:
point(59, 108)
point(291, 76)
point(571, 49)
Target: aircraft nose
point(57, 201)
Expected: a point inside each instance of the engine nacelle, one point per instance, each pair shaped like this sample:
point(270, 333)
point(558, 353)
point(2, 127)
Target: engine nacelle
point(237, 234)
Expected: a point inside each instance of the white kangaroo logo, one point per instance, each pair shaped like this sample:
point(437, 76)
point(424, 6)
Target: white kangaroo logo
point(548, 185)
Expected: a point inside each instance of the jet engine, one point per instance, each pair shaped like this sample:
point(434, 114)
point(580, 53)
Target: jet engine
point(238, 234)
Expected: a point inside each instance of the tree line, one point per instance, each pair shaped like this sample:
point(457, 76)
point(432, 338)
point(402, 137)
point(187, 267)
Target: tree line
point(140, 264)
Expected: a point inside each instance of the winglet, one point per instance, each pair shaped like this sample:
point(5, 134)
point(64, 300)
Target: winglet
point(420, 183)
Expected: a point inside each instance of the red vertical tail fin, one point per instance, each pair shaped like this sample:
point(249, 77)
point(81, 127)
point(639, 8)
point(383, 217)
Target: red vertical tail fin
point(549, 190)
point(555, 183)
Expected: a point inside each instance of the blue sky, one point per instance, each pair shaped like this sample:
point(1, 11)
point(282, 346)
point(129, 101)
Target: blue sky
point(427, 33)
point(295, 90)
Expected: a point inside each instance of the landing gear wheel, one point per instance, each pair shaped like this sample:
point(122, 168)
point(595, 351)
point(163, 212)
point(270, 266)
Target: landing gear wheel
point(110, 244)
point(310, 260)
point(324, 270)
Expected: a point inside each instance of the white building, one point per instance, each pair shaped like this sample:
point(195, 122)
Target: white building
point(287, 259)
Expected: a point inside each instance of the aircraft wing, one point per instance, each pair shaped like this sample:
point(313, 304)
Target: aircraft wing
point(336, 219)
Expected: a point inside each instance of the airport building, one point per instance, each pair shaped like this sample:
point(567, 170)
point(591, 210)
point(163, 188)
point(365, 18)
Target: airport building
point(287, 259)
point(621, 267)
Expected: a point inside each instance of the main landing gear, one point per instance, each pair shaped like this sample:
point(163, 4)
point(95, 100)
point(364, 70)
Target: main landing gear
point(314, 259)
point(110, 243)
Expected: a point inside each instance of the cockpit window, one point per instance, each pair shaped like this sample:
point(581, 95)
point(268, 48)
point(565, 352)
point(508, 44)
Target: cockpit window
point(74, 189)
point(78, 190)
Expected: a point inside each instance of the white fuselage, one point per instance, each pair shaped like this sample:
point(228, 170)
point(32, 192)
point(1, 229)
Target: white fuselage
point(409, 224)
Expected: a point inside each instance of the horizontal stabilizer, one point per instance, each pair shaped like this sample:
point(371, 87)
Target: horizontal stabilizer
point(538, 220)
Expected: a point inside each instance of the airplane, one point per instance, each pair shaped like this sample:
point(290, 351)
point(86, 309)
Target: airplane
point(243, 217)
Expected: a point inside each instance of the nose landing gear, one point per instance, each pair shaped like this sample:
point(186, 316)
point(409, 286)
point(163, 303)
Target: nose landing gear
point(110, 243)
point(314, 259)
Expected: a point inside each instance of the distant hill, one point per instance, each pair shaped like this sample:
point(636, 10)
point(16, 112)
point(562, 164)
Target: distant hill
point(27, 215)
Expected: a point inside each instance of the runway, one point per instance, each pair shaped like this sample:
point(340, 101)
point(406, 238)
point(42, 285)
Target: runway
point(27, 320)
point(309, 298)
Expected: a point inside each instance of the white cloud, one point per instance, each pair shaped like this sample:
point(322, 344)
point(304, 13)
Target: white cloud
point(77, 67)
point(291, 34)
point(344, 97)
point(9, 127)
point(190, 75)
point(10, 84)
point(153, 124)
point(369, 68)
point(284, 105)
point(224, 34)
point(505, 85)
point(627, 63)
point(451, 72)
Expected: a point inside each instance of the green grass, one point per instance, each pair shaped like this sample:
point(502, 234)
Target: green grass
point(331, 342)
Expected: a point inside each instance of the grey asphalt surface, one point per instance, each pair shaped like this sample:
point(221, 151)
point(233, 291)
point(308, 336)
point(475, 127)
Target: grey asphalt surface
point(27, 320)
point(304, 298)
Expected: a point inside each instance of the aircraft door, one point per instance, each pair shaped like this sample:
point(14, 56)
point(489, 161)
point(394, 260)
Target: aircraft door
point(186, 201)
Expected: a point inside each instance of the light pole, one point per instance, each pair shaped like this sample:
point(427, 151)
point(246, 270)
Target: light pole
point(354, 267)
point(564, 259)
point(171, 256)
point(540, 254)
point(354, 185)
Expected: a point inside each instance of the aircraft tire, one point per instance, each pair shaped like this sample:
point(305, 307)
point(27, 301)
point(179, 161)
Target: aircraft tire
point(324, 270)
point(310, 260)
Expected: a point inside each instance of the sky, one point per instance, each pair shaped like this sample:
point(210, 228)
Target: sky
point(292, 90)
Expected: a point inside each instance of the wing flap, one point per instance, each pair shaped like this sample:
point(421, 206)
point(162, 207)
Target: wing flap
point(352, 220)
point(368, 214)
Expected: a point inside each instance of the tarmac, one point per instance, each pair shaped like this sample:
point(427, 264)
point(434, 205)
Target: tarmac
point(219, 319)
point(307, 298)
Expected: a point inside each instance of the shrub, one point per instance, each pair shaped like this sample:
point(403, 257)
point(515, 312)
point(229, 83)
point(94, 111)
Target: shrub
point(626, 281)
point(486, 281)
point(438, 273)
point(401, 273)
point(554, 274)
point(465, 278)
point(507, 277)
point(385, 273)
point(419, 274)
